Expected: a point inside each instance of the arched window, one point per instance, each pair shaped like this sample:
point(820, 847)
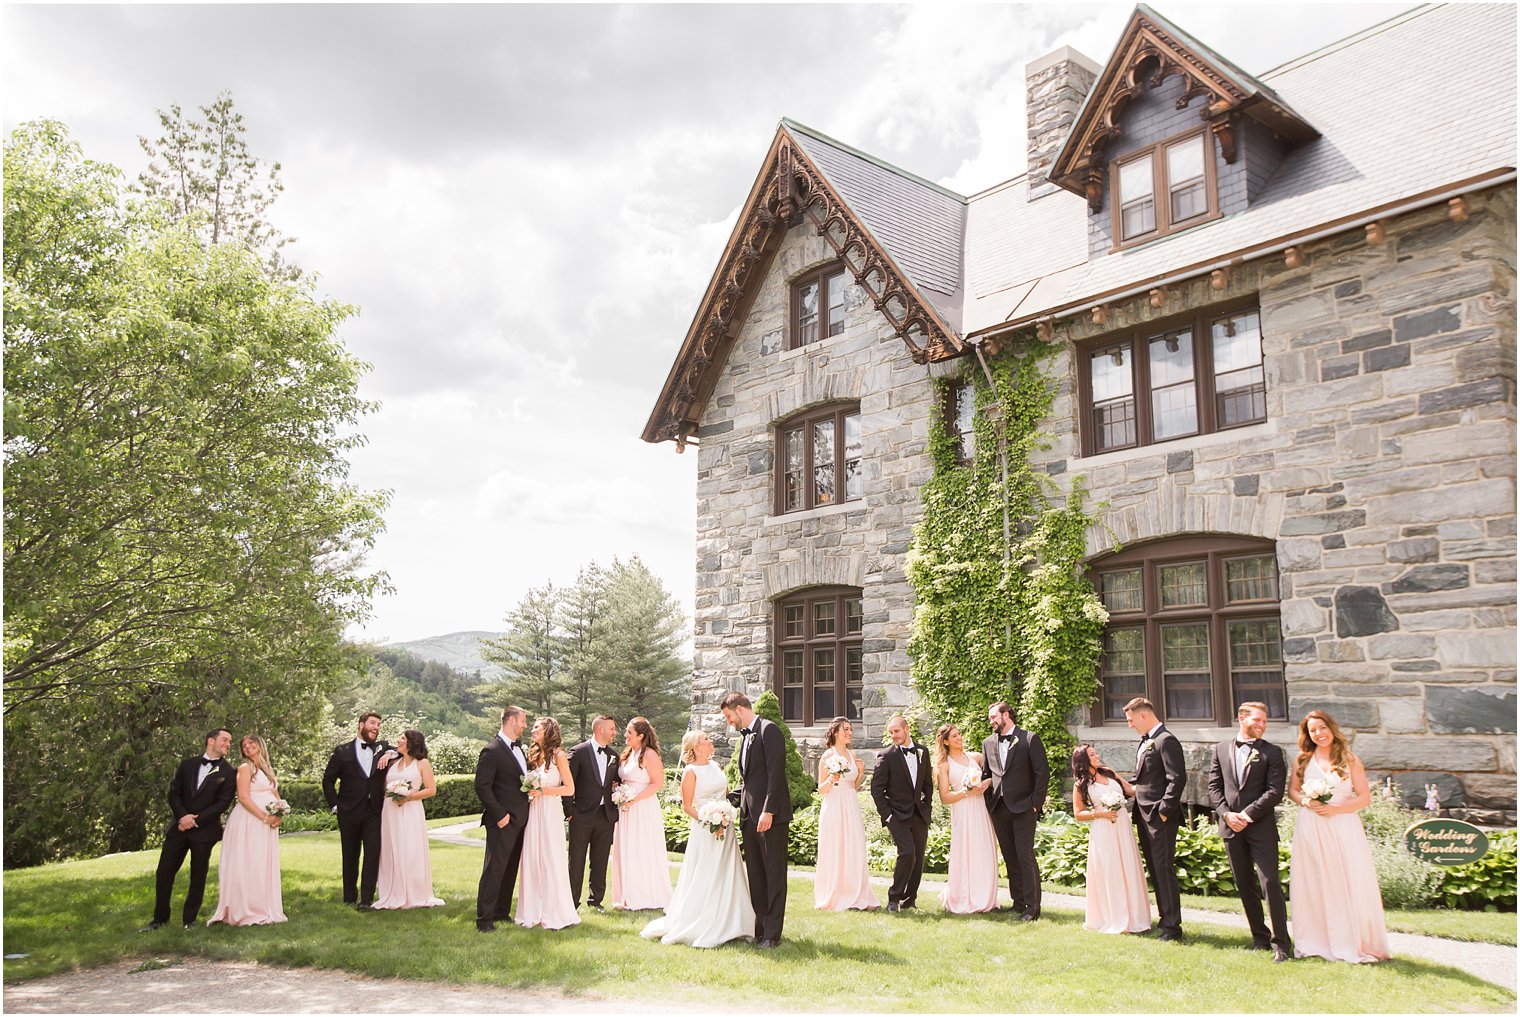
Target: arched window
point(1193, 626)
point(818, 660)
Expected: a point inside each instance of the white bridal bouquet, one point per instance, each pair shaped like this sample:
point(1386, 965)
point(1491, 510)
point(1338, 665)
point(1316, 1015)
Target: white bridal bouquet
point(837, 766)
point(532, 781)
point(397, 790)
point(970, 779)
point(278, 807)
point(1111, 798)
point(1318, 791)
point(717, 816)
point(622, 795)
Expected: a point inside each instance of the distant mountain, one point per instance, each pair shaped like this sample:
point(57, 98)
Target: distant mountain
point(459, 650)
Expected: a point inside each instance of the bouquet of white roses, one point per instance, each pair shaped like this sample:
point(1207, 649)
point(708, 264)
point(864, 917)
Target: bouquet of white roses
point(278, 807)
point(1111, 798)
point(970, 779)
point(1318, 791)
point(397, 790)
point(717, 816)
point(622, 795)
point(532, 781)
point(837, 766)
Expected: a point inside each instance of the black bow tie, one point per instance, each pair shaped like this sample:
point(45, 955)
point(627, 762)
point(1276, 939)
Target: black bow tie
point(1005, 738)
point(746, 730)
point(608, 749)
point(905, 749)
point(1248, 741)
point(208, 761)
point(367, 745)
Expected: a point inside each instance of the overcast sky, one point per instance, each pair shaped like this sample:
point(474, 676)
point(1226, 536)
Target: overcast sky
point(527, 201)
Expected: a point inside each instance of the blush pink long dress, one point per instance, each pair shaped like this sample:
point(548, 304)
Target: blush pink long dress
point(545, 895)
point(1116, 899)
point(640, 871)
point(972, 885)
point(248, 876)
point(1337, 906)
point(842, 881)
point(406, 867)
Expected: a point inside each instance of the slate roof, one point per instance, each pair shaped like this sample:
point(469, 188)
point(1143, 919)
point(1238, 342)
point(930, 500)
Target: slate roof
point(1423, 101)
point(920, 224)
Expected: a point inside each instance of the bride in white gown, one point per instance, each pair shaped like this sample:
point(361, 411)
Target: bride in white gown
point(711, 902)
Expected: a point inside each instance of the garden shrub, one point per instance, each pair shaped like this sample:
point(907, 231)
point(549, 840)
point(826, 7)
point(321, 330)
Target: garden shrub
point(799, 784)
point(455, 797)
point(802, 838)
point(1405, 881)
point(1485, 885)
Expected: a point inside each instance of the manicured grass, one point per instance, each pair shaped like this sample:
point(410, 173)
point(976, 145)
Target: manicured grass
point(86, 912)
point(473, 817)
point(1467, 926)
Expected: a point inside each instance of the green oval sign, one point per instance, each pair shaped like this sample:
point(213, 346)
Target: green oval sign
point(1446, 841)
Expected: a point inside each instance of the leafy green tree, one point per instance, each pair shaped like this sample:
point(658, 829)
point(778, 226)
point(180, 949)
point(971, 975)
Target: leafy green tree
point(182, 547)
point(531, 656)
point(210, 182)
point(639, 671)
point(583, 619)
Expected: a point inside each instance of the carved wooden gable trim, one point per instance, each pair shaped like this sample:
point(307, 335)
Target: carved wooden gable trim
point(1149, 52)
point(789, 186)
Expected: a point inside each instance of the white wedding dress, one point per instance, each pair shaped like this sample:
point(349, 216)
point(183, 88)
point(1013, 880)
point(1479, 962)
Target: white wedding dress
point(711, 902)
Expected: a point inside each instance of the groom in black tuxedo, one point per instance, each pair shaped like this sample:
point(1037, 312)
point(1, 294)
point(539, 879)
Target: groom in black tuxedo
point(592, 814)
point(1160, 779)
point(200, 792)
point(1015, 761)
point(1246, 780)
point(498, 784)
point(354, 786)
point(765, 814)
point(901, 786)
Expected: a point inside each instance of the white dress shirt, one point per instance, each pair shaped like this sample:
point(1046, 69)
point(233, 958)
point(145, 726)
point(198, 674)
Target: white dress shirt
point(366, 756)
point(910, 756)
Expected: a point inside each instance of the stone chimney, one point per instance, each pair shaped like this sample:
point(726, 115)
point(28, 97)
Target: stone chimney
point(1056, 84)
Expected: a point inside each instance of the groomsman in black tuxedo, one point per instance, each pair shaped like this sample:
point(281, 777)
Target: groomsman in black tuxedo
point(765, 814)
point(592, 814)
point(1160, 779)
point(354, 786)
point(901, 785)
point(202, 789)
point(1015, 761)
point(498, 783)
point(1247, 777)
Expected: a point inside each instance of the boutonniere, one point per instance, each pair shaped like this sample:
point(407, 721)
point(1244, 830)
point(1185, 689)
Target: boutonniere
point(1254, 757)
point(1145, 747)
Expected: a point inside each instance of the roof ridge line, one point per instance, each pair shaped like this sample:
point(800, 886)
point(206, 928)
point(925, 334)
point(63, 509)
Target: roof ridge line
point(1351, 39)
point(868, 157)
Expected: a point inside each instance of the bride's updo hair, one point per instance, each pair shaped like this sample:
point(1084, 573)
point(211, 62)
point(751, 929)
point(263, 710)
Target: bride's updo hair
point(689, 745)
point(833, 731)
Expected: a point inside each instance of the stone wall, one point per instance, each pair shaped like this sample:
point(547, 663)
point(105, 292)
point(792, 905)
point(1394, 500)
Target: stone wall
point(746, 556)
point(1386, 474)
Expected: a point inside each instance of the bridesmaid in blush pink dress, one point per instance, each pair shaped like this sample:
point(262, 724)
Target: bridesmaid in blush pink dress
point(973, 882)
point(640, 871)
point(545, 896)
point(1337, 906)
point(248, 876)
point(1116, 900)
point(406, 868)
point(842, 881)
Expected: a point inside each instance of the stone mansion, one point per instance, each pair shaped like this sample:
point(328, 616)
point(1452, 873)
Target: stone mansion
point(1282, 309)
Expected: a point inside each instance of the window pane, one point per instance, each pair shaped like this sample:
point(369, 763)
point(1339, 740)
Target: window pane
point(1239, 386)
point(1184, 161)
point(964, 423)
point(792, 449)
point(1184, 585)
point(1112, 376)
point(823, 462)
point(853, 615)
point(1121, 590)
point(854, 483)
point(1256, 671)
point(823, 618)
point(1137, 218)
point(836, 284)
point(823, 684)
point(807, 313)
point(1123, 669)
point(1185, 671)
point(791, 685)
point(791, 668)
point(1189, 200)
point(1251, 579)
point(854, 677)
point(1174, 397)
point(794, 620)
point(1136, 180)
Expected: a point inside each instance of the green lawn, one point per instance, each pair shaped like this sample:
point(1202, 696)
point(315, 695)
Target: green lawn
point(84, 913)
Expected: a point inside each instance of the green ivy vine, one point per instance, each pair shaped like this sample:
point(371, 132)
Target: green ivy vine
point(1011, 619)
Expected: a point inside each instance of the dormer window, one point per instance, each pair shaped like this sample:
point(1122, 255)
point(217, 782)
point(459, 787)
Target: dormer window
point(818, 305)
point(1180, 172)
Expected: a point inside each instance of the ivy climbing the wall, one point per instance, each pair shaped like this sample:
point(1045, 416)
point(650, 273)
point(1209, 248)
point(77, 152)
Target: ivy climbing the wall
point(1003, 611)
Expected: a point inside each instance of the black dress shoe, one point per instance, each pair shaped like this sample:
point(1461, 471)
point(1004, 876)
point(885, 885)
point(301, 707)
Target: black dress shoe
point(152, 927)
point(1029, 916)
point(1170, 936)
point(1261, 944)
point(765, 944)
point(189, 925)
point(485, 926)
point(892, 908)
point(1279, 955)
point(366, 907)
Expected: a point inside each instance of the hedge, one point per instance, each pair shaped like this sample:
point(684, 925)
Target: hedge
point(455, 797)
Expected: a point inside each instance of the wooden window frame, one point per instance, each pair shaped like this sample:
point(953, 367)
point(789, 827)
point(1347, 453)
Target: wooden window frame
point(840, 641)
point(820, 275)
point(1217, 613)
point(1161, 192)
point(952, 425)
point(1201, 322)
point(837, 413)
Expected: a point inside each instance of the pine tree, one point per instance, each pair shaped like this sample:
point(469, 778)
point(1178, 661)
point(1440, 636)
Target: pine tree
point(583, 618)
point(531, 656)
point(638, 670)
